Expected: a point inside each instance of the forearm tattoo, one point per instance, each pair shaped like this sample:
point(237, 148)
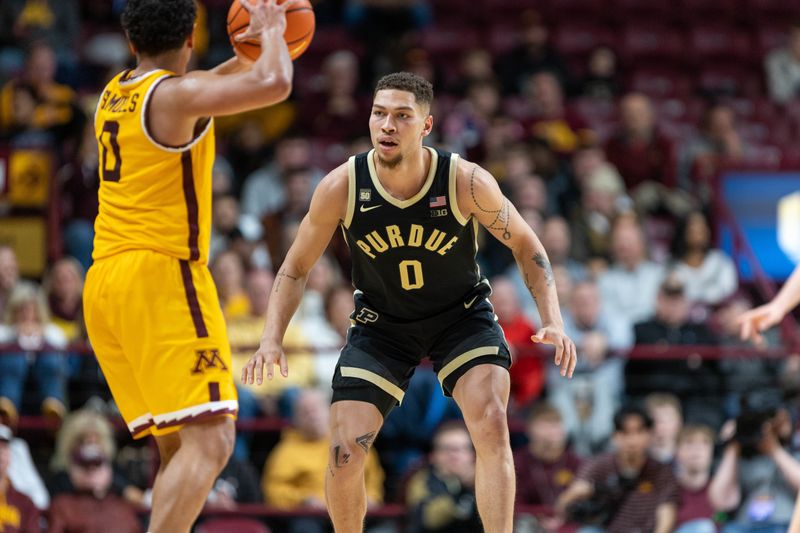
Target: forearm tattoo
point(542, 262)
point(502, 217)
point(281, 275)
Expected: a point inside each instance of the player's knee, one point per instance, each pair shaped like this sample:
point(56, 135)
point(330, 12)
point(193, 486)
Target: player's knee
point(216, 441)
point(489, 425)
point(346, 458)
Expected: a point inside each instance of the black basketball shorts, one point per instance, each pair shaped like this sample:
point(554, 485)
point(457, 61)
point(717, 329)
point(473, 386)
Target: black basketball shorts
point(381, 353)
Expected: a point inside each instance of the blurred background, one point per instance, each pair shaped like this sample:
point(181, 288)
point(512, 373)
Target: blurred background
point(651, 144)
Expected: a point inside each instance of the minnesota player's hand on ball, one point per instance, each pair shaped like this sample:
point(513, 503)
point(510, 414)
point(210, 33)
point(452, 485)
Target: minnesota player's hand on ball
point(269, 354)
point(265, 15)
point(566, 354)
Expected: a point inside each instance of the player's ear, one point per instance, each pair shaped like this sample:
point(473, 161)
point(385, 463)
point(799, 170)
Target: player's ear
point(190, 40)
point(428, 126)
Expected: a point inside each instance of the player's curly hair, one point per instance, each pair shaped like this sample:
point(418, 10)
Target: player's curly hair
point(406, 81)
point(158, 26)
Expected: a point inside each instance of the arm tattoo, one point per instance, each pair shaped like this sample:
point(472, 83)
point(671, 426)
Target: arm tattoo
point(544, 264)
point(502, 216)
point(282, 274)
point(365, 441)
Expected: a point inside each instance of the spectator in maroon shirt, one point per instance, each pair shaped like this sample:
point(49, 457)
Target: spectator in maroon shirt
point(625, 491)
point(693, 470)
point(545, 468)
point(18, 514)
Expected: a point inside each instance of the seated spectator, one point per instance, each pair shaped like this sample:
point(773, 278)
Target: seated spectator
point(299, 188)
point(545, 467)
point(28, 327)
point(231, 230)
point(708, 274)
point(533, 54)
point(27, 22)
point(63, 288)
point(557, 240)
point(693, 459)
point(408, 431)
point(228, 272)
point(83, 430)
point(551, 120)
point(602, 79)
point(328, 338)
point(91, 506)
point(759, 474)
point(9, 275)
point(628, 289)
point(783, 68)
point(244, 332)
point(642, 154)
point(475, 65)
point(294, 474)
point(264, 191)
point(465, 127)
point(602, 200)
point(695, 381)
point(18, 514)
point(441, 497)
point(717, 142)
point(626, 490)
point(24, 475)
point(37, 107)
point(588, 402)
point(78, 184)
point(237, 483)
point(665, 410)
point(527, 373)
point(334, 109)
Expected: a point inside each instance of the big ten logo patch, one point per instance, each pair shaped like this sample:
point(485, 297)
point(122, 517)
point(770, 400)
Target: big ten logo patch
point(367, 315)
point(208, 359)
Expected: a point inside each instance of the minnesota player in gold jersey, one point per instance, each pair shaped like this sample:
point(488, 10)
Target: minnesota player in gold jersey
point(150, 305)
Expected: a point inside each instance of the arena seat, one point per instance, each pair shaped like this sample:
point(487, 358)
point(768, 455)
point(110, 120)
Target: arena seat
point(643, 43)
point(769, 37)
point(729, 80)
point(580, 38)
point(704, 10)
point(661, 82)
point(232, 525)
point(718, 42)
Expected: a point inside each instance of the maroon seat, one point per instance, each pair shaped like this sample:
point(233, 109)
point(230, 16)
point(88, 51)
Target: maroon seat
point(770, 37)
point(502, 38)
point(694, 11)
point(449, 41)
point(580, 38)
point(626, 10)
point(641, 43)
point(232, 525)
point(730, 81)
point(718, 42)
point(661, 82)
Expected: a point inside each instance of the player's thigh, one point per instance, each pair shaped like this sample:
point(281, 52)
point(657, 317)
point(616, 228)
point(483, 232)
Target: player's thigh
point(474, 341)
point(374, 367)
point(175, 326)
point(100, 315)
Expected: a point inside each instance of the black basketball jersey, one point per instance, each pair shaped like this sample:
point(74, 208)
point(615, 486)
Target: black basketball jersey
point(414, 258)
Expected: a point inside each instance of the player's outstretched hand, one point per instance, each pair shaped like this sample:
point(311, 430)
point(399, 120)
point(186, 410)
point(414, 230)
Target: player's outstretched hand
point(265, 15)
point(756, 321)
point(566, 354)
point(267, 354)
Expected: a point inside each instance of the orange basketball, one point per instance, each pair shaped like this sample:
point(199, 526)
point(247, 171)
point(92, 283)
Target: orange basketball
point(300, 23)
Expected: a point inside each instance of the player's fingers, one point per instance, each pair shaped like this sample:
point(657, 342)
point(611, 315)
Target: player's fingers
point(284, 365)
point(566, 357)
point(573, 358)
point(559, 353)
point(259, 369)
point(248, 6)
point(289, 4)
point(270, 371)
point(746, 329)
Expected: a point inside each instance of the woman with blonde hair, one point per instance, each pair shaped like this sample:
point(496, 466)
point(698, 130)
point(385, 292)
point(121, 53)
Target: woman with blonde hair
point(36, 346)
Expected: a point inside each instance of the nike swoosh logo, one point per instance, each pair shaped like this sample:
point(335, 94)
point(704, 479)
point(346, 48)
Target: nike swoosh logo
point(364, 208)
point(468, 304)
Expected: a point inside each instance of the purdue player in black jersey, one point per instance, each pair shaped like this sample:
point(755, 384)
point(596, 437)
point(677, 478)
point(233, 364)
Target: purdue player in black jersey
point(409, 214)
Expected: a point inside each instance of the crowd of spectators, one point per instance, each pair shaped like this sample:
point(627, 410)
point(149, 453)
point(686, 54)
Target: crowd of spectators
point(608, 155)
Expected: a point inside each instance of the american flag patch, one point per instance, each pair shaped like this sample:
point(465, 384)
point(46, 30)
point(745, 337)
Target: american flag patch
point(438, 201)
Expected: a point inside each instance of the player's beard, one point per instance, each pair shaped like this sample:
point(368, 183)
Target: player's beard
point(390, 163)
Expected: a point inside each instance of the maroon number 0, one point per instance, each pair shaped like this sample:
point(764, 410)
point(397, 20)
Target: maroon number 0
point(112, 128)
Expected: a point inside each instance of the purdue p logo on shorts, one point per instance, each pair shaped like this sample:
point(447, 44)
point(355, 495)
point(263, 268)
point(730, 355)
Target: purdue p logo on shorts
point(208, 359)
point(366, 316)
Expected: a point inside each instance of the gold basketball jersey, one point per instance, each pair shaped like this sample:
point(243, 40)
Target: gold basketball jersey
point(152, 196)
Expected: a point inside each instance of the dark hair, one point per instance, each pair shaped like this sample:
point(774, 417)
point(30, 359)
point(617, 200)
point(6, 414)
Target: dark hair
point(406, 81)
point(542, 410)
point(448, 426)
point(158, 26)
point(678, 246)
point(628, 411)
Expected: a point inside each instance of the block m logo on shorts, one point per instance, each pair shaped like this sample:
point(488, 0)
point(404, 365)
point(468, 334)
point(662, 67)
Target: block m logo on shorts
point(366, 316)
point(208, 359)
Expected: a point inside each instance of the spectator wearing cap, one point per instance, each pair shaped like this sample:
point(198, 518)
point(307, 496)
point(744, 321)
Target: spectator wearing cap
point(18, 514)
point(692, 379)
point(783, 68)
point(91, 506)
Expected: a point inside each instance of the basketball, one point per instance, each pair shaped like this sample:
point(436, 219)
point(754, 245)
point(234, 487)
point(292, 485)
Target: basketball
point(300, 24)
